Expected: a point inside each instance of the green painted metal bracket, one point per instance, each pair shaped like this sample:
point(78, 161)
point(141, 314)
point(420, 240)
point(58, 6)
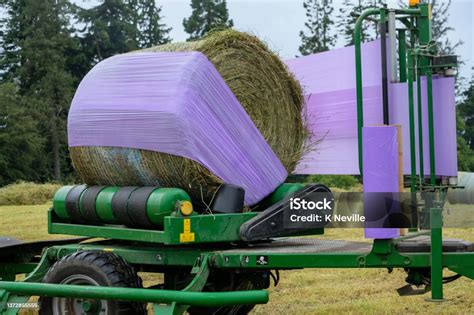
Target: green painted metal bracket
point(358, 59)
point(177, 229)
point(3, 301)
point(436, 221)
point(35, 275)
point(466, 271)
point(201, 271)
point(56, 226)
point(11, 269)
point(207, 228)
point(145, 254)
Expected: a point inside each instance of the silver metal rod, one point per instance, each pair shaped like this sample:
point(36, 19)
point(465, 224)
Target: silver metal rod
point(392, 35)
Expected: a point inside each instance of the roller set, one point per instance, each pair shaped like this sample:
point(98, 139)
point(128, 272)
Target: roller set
point(209, 253)
point(131, 206)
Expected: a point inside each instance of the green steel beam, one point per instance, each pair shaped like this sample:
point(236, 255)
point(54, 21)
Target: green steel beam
point(408, 11)
point(411, 114)
point(145, 254)
point(248, 260)
point(405, 21)
point(16, 268)
point(466, 271)
point(424, 32)
point(201, 271)
point(436, 223)
point(425, 37)
point(177, 229)
point(402, 55)
point(206, 299)
point(118, 233)
point(420, 127)
point(358, 60)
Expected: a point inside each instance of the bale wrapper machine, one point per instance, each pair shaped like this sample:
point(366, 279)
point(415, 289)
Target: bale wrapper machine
point(222, 261)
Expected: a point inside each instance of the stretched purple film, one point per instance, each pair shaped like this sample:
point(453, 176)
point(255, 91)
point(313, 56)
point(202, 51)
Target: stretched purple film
point(380, 157)
point(328, 79)
point(175, 103)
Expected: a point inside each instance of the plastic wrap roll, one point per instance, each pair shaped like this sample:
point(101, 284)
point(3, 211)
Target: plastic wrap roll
point(380, 178)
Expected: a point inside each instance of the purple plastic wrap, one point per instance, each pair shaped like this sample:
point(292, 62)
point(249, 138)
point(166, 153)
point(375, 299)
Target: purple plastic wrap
point(380, 160)
point(328, 79)
point(444, 114)
point(176, 103)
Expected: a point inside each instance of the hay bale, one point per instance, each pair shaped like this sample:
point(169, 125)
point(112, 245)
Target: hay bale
point(263, 86)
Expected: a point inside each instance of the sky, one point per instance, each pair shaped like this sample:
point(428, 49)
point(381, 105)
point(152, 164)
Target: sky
point(279, 22)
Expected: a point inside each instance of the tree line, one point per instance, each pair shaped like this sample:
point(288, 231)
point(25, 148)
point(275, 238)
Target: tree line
point(47, 46)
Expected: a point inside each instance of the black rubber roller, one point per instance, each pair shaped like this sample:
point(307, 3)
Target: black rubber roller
point(88, 202)
point(72, 203)
point(137, 205)
point(120, 204)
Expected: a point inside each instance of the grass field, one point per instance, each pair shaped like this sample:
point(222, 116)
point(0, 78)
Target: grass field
point(317, 291)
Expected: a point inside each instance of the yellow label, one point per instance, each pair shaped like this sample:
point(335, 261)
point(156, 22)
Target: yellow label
point(187, 236)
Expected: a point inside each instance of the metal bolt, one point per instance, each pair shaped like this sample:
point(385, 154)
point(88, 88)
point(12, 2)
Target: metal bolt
point(247, 259)
point(226, 259)
point(159, 258)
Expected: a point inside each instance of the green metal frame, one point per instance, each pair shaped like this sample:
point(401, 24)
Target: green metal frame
point(165, 301)
point(418, 23)
point(209, 228)
point(382, 255)
point(206, 229)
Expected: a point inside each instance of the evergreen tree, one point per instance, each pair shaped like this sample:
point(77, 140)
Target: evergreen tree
point(11, 36)
point(206, 15)
point(466, 111)
point(110, 28)
point(319, 26)
point(151, 31)
point(21, 144)
point(119, 26)
point(465, 128)
point(38, 34)
point(347, 22)
point(441, 28)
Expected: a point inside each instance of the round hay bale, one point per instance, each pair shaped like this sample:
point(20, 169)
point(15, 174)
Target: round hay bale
point(466, 194)
point(264, 87)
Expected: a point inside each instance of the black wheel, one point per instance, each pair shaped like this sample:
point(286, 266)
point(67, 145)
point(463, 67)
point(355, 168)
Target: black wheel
point(220, 281)
point(91, 268)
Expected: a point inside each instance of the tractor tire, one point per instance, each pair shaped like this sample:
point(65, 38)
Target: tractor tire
point(91, 268)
